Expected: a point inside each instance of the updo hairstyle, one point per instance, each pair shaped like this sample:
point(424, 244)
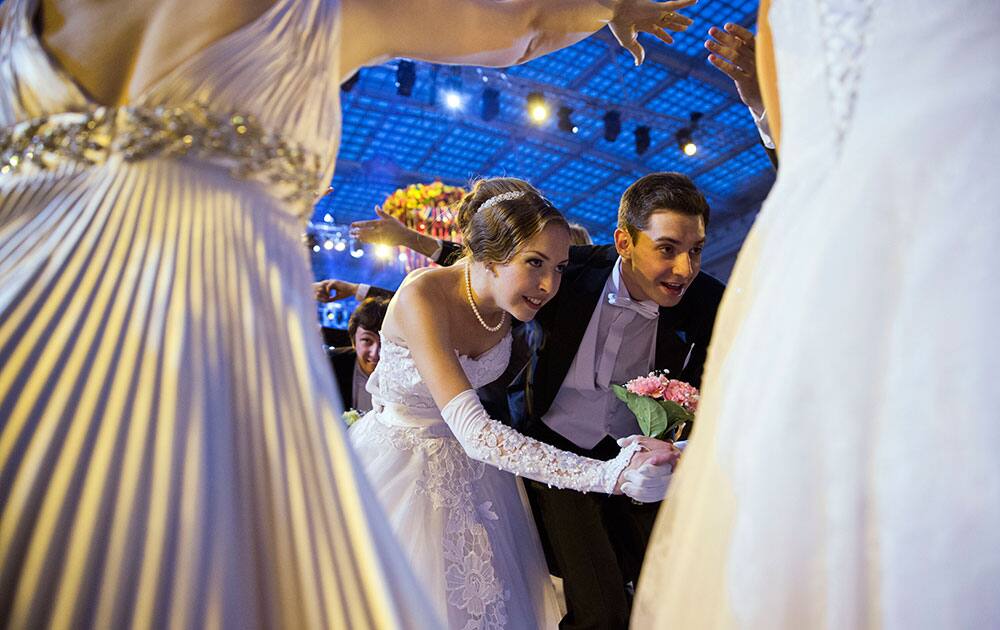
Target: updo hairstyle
point(499, 215)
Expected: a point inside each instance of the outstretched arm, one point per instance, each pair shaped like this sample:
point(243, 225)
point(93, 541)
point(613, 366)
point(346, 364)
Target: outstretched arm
point(734, 53)
point(768, 73)
point(482, 437)
point(493, 32)
point(391, 231)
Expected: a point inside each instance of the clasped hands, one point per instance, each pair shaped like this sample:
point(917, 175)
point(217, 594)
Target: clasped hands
point(648, 474)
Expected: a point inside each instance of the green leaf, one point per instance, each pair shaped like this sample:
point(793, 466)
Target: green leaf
point(657, 418)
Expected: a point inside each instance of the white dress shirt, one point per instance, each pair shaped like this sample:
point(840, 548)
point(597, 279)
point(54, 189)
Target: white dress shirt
point(619, 345)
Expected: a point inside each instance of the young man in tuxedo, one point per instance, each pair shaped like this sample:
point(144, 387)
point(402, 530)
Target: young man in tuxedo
point(354, 364)
point(621, 311)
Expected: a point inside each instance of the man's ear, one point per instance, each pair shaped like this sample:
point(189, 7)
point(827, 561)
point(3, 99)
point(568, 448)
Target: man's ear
point(623, 243)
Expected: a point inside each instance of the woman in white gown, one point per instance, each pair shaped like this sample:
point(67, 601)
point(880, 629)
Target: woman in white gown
point(440, 466)
point(843, 472)
point(170, 448)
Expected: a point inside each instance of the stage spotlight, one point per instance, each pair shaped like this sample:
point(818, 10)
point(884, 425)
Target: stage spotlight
point(566, 120)
point(453, 100)
point(685, 136)
point(357, 253)
point(538, 109)
point(685, 142)
point(612, 125)
point(383, 251)
point(327, 244)
point(351, 81)
point(641, 139)
point(491, 104)
point(406, 77)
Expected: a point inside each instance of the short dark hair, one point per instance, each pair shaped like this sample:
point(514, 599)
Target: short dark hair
point(368, 315)
point(657, 192)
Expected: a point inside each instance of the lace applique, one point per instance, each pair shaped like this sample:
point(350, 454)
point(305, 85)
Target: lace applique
point(137, 133)
point(844, 25)
point(487, 440)
point(508, 449)
point(471, 581)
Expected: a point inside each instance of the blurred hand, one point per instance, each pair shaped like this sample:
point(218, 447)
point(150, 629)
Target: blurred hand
point(333, 290)
point(733, 52)
point(632, 17)
point(385, 229)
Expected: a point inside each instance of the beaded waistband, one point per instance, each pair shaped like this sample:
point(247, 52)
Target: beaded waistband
point(138, 133)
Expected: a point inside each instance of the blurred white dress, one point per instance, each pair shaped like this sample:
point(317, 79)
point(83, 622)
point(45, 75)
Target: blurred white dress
point(171, 450)
point(843, 472)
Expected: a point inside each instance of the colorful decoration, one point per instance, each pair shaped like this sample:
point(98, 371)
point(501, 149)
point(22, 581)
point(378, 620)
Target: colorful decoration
point(429, 209)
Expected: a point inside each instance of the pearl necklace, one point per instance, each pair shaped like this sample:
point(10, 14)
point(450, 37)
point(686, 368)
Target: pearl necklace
point(472, 302)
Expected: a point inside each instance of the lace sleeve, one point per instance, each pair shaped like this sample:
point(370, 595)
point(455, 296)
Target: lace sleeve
point(489, 441)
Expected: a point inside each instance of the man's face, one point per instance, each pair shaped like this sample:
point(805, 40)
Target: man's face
point(367, 344)
point(663, 260)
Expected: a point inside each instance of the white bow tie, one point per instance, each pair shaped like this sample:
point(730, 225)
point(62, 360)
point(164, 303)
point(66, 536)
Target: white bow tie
point(649, 311)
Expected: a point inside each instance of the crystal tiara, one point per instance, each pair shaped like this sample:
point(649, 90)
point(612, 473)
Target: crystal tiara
point(495, 199)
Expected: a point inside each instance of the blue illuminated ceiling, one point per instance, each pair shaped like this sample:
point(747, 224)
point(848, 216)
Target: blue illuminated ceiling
point(390, 141)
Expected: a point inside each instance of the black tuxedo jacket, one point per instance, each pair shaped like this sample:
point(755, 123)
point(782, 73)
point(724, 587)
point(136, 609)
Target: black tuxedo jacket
point(682, 329)
point(343, 360)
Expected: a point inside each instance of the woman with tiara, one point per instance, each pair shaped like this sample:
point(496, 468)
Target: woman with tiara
point(169, 439)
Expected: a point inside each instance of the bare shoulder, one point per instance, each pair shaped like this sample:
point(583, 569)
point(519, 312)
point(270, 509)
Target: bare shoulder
point(422, 298)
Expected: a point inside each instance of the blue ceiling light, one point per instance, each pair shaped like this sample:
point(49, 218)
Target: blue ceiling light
point(565, 117)
point(491, 104)
point(406, 77)
point(612, 125)
point(641, 139)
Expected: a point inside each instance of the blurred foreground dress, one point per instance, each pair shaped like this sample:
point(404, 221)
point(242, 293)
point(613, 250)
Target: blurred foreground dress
point(171, 448)
point(844, 471)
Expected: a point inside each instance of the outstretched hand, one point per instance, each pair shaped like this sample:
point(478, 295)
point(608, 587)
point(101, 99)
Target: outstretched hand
point(734, 53)
point(386, 229)
point(632, 17)
point(333, 290)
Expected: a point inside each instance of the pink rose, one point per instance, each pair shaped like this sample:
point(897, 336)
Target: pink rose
point(681, 393)
point(650, 386)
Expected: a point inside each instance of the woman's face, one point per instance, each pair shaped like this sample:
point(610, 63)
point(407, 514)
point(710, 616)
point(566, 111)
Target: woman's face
point(531, 278)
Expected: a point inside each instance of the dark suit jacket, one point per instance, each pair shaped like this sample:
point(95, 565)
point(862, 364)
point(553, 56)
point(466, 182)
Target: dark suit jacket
point(681, 329)
point(343, 360)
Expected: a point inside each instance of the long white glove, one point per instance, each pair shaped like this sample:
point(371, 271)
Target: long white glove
point(486, 440)
point(648, 483)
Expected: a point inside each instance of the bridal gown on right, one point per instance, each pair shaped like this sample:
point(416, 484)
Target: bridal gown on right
point(843, 472)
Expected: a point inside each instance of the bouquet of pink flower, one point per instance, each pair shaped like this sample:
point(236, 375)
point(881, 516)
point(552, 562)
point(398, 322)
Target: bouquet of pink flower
point(661, 405)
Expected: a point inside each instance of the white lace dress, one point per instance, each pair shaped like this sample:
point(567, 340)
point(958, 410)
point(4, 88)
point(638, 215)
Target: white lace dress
point(844, 470)
point(462, 521)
